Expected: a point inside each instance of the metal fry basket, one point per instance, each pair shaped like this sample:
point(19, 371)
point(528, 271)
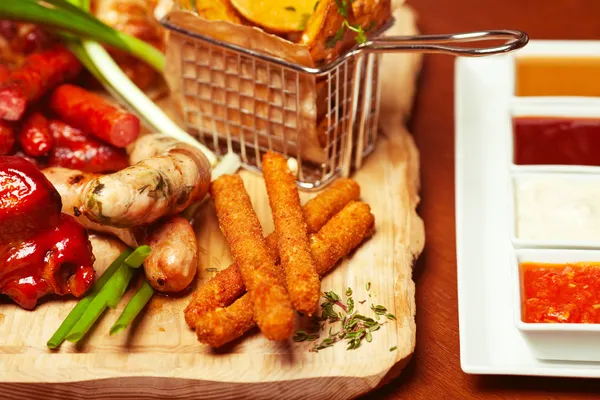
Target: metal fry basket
point(326, 118)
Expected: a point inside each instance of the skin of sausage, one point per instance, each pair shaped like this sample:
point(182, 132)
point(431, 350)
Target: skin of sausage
point(173, 262)
point(153, 188)
point(150, 145)
point(70, 184)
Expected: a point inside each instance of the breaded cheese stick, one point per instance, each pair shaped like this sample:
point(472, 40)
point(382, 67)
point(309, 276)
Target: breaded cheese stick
point(335, 240)
point(227, 285)
point(301, 278)
point(270, 301)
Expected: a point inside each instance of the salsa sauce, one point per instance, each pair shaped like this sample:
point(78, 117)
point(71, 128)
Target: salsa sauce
point(560, 293)
point(556, 141)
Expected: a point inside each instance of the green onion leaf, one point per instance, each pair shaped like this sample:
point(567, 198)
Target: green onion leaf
point(135, 260)
point(133, 308)
point(109, 295)
point(80, 308)
point(138, 257)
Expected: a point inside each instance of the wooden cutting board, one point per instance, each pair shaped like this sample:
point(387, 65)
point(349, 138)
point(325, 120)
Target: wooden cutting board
point(159, 356)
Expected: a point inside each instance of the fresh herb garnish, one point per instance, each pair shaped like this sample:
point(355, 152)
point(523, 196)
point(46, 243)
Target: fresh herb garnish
point(290, 8)
point(302, 336)
point(368, 286)
point(354, 327)
point(393, 348)
point(361, 37)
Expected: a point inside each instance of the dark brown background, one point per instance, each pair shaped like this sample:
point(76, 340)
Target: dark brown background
point(434, 371)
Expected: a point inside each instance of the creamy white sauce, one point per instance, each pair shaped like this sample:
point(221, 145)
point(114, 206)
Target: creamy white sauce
point(558, 209)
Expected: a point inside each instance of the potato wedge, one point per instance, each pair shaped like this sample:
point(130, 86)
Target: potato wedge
point(325, 34)
point(371, 14)
point(217, 10)
point(277, 16)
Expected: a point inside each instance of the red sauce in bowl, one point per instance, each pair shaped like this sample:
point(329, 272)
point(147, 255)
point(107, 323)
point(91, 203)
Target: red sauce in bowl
point(556, 141)
point(560, 293)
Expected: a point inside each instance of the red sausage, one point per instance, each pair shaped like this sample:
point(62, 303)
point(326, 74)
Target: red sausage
point(41, 72)
point(7, 138)
point(76, 150)
point(28, 201)
point(91, 113)
point(35, 137)
point(4, 73)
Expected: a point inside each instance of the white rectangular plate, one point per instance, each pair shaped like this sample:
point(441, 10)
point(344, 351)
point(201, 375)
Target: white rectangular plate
point(489, 340)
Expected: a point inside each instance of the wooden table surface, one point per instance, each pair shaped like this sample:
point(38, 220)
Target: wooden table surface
point(434, 371)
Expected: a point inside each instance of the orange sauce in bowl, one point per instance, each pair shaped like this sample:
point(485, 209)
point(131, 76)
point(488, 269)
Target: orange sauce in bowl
point(560, 293)
point(557, 76)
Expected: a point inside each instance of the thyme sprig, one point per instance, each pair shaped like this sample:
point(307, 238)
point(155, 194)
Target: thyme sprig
point(354, 328)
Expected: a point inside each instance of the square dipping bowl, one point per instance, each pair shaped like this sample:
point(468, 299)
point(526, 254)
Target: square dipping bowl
point(556, 340)
point(554, 210)
point(555, 134)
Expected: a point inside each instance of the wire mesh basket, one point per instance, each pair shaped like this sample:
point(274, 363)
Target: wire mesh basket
point(326, 117)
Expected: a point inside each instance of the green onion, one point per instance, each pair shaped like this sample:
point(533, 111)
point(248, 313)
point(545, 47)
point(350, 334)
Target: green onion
point(136, 259)
point(133, 308)
point(82, 305)
point(59, 14)
point(98, 305)
point(110, 293)
point(122, 278)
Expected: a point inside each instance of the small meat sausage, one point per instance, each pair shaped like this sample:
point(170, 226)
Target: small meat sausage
point(173, 262)
point(35, 137)
point(76, 150)
point(149, 190)
point(93, 114)
point(41, 72)
point(70, 184)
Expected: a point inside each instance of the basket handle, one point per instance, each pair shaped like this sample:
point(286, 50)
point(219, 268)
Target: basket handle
point(449, 44)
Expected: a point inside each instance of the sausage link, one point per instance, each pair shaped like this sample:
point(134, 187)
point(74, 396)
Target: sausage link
point(35, 137)
point(93, 114)
point(173, 262)
point(41, 72)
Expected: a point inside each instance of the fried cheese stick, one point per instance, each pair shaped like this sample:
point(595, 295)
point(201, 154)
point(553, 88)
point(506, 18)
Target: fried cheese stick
point(227, 285)
point(301, 278)
point(345, 231)
point(240, 225)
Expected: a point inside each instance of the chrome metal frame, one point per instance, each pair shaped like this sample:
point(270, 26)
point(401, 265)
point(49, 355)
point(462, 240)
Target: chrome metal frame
point(225, 118)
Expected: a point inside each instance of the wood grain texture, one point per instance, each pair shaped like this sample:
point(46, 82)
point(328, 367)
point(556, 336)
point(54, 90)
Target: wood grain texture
point(159, 357)
point(434, 371)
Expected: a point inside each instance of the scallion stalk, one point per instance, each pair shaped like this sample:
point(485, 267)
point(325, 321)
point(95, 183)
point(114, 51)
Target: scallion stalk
point(111, 293)
point(136, 259)
point(133, 308)
point(80, 308)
